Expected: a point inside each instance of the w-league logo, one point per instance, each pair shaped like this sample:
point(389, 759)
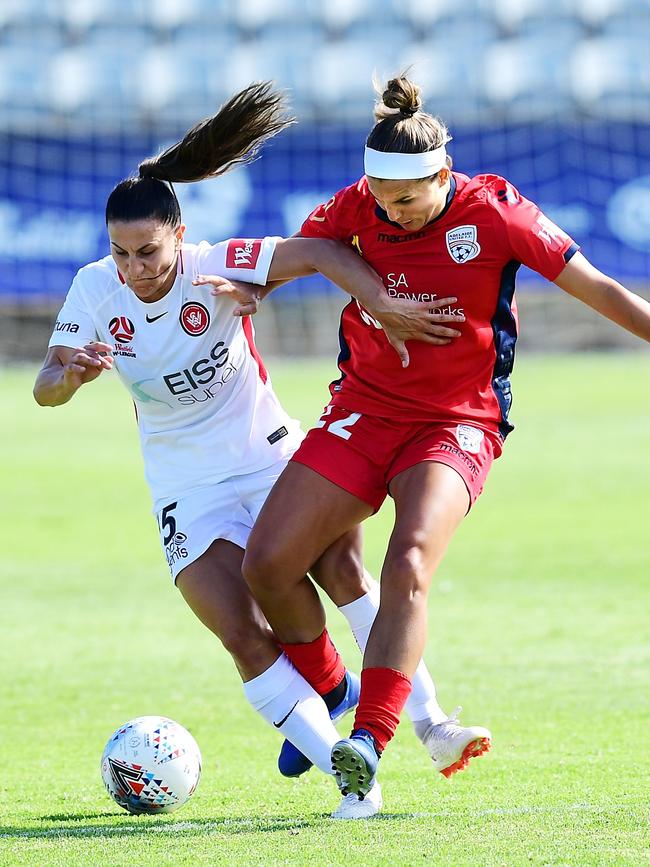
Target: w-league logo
point(122, 329)
point(462, 244)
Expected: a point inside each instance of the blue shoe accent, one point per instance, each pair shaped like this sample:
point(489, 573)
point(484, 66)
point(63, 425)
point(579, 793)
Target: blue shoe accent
point(354, 762)
point(291, 762)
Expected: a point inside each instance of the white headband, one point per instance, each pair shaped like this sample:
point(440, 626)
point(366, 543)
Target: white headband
point(394, 166)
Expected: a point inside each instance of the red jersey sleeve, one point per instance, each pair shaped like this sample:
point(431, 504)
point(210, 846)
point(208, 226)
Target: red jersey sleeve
point(334, 218)
point(534, 240)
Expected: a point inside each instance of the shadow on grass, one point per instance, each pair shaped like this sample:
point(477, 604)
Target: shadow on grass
point(73, 826)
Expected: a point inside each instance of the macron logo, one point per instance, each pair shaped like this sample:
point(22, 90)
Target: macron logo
point(243, 253)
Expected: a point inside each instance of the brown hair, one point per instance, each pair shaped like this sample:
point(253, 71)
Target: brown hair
point(233, 136)
point(401, 124)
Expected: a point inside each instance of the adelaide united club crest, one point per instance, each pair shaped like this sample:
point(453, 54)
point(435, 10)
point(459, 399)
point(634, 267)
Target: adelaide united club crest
point(462, 243)
point(194, 318)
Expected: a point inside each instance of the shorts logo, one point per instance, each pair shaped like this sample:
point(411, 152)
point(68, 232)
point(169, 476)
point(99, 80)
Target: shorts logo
point(462, 243)
point(469, 438)
point(243, 253)
point(175, 550)
point(122, 329)
point(194, 318)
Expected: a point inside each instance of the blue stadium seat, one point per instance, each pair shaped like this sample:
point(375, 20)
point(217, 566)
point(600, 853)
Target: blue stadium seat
point(378, 31)
point(130, 37)
point(334, 17)
point(23, 86)
point(527, 79)
point(512, 15)
point(98, 86)
point(206, 37)
point(631, 24)
point(424, 15)
point(559, 30)
point(454, 30)
point(80, 15)
point(35, 12)
point(340, 77)
point(166, 16)
point(255, 16)
point(450, 75)
point(33, 37)
point(596, 12)
point(180, 84)
point(611, 78)
point(267, 59)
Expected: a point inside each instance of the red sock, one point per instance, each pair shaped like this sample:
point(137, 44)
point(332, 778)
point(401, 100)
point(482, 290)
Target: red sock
point(384, 692)
point(318, 661)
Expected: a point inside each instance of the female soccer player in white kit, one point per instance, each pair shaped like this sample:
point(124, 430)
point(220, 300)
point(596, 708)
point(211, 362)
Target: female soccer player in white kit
point(214, 436)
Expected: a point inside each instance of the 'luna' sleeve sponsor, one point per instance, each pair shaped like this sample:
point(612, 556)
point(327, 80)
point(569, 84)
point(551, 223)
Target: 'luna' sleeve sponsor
point(74, 325)
point(246, 259)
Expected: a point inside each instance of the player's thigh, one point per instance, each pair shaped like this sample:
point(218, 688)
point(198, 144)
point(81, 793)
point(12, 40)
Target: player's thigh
point(215, 590)
point(431, 500)
point(302, 516)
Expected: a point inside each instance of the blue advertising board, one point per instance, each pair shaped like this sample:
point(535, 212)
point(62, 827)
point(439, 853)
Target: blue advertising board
point(592, 179)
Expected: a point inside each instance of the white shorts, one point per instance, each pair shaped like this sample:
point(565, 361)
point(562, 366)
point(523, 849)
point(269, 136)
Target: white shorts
point(225, 510)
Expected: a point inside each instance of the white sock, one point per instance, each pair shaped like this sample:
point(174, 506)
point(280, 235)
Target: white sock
point(422, 703)
point(281, 693)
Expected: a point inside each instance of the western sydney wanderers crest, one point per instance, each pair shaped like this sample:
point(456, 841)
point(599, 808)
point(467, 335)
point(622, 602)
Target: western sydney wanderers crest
point(194, 318)
point(462, 243)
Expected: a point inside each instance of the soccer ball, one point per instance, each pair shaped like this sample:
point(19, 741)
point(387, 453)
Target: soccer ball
point(151, 765)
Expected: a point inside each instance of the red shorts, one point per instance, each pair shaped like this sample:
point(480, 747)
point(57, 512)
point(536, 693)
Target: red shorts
point(362, 453)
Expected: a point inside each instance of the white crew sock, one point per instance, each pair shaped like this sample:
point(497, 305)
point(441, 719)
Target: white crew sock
point(282, 693)
point(422, 703)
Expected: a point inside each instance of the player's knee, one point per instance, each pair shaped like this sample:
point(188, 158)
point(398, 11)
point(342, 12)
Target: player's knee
point(405, 576)
point(263, 565)
point(248, 643)
point(341, 574)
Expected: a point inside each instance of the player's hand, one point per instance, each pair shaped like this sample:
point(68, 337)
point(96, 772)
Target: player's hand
point(248, 296)
point(86, 364)
point(404, 320)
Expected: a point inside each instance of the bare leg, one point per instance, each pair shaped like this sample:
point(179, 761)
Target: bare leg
point(303, 515)
point(214, 589)
point(430, 502)
point(340, 570)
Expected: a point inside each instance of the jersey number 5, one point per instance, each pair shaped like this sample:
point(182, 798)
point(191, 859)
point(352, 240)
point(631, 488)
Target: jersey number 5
point(168, 523)
point(339, 427)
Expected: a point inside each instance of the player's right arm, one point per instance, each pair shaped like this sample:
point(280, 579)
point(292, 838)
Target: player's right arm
point(65, 370)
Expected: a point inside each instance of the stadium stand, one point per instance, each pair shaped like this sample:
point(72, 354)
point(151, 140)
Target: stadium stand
point(553, 93)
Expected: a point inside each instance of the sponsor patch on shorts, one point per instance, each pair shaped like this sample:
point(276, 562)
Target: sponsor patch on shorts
point(469, 438)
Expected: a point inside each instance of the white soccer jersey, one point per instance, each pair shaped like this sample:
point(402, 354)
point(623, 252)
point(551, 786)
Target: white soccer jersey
point(205, 405)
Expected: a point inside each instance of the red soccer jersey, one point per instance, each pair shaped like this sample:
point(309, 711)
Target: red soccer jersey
point(471, 251)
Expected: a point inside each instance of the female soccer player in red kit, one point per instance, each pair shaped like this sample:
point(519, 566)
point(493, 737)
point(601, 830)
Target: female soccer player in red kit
point(426, 434)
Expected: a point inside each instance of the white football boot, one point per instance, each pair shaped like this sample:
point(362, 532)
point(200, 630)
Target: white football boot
point(452, 745)
point(352, 808)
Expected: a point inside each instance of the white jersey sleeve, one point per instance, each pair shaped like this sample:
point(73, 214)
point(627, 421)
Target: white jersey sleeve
point(74, 325)
point(247, 259)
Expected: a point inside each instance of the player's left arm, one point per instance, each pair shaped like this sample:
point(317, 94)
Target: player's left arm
point(605, 295)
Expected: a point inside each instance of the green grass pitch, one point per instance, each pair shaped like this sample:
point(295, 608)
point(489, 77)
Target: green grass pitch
point(539, 627)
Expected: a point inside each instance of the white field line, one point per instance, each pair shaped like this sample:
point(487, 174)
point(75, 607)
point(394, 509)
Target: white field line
point(285, 822)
